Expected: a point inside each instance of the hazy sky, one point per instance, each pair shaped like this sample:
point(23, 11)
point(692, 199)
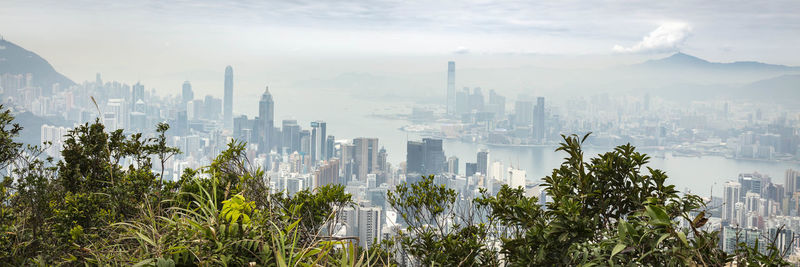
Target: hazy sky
point(164, 42)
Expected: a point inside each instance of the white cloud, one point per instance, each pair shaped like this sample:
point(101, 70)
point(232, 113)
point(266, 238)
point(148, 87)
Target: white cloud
point(461, 50)
point(666, 38)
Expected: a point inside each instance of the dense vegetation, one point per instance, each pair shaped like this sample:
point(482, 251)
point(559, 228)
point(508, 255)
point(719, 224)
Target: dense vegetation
point(103, 204)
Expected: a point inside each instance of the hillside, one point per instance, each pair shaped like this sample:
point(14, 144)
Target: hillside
point(17, 60)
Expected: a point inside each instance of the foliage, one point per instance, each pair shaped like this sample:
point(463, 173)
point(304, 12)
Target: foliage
point(104, 204)
point(609, 210)
point(437, 233)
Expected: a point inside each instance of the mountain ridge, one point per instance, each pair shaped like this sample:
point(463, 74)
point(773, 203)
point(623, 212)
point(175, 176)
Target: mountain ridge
point(15, 59)
point(684, 60)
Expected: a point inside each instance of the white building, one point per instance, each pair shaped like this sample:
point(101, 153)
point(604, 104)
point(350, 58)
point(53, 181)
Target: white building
point(516, 178)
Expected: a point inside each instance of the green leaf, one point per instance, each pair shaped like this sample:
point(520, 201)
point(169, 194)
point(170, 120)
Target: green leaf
point(148, 240)
point(661, 239)
point(617, 249)
point(682, 236)
point(146, 262)
point(658, 216)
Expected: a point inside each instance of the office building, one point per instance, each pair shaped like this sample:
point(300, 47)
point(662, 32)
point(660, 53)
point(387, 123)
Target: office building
point(227, 109)
point(265, 121)
point(451, 87)
point(483, 162)
point(732, 194)
point(365, 157)
point(186, 93)
point(539, 122)
point(369, 226)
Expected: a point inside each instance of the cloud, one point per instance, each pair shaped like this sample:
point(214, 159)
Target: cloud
point(461, 50)
point(666, 38)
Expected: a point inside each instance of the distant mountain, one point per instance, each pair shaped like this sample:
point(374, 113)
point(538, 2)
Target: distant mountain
point(684, 61)
point(784, 88)
point(17, 60)
point(32, 126)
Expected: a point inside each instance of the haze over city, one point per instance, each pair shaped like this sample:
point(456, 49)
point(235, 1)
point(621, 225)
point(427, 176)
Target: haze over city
point(368, 97)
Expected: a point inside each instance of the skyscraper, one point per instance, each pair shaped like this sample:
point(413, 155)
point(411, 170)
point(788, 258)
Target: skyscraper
point(414, 157)
point(318, 141)
point(369, 226)
point(462, 101)
point(539, 124)
point(451, 87)
point(365, 157)
point(426, 157)
point(327, 173)
point(483, 162)
point(516, 178)
point(452, 165)
point(475, 101)
point(751, 183)
point(523, 110)
point(433, 154)
point(228, 98)
point(137, 93)
point(265, 121)
point(732, 195)
point(330, 146)
point(497, 104)
point(791, 182)
point(187, 94)
point(291, 136)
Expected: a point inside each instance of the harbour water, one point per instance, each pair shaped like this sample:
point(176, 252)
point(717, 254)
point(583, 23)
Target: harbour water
point(349, 117)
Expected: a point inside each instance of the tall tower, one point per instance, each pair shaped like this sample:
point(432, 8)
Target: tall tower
point(451, 87)
point(539, 124)
point(266, 114)
point(365, 157)
point(187, 93)
point(318, 142)
point(732, 194)
point(483, 162)
point(227, 109)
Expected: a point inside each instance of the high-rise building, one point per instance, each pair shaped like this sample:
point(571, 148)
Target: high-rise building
point(187, 94)
point(382, 160)
point(414, 157)
point(476, 100)
point(347, 161)
point(539, 123)
point(291, 136)
point(348, 217)
point(265, 121)
point(330, 147)
point(462, 101)
point(791, 181)
point(451, 87)
point(365, 157)
point(732, 194)
point(523, 111)
point(516, 178)
point(137, 93)
point(497, 105)
point(212, 107)
point(369, 226)
point(471, 168)
point(327, 173)
point(452, 165)
point(434, 156)
point(228, 99)
point(239, 125)
point(117, 109)
point(483, 162)
point(751, 183)
point(318, 141)
point(426, 157)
